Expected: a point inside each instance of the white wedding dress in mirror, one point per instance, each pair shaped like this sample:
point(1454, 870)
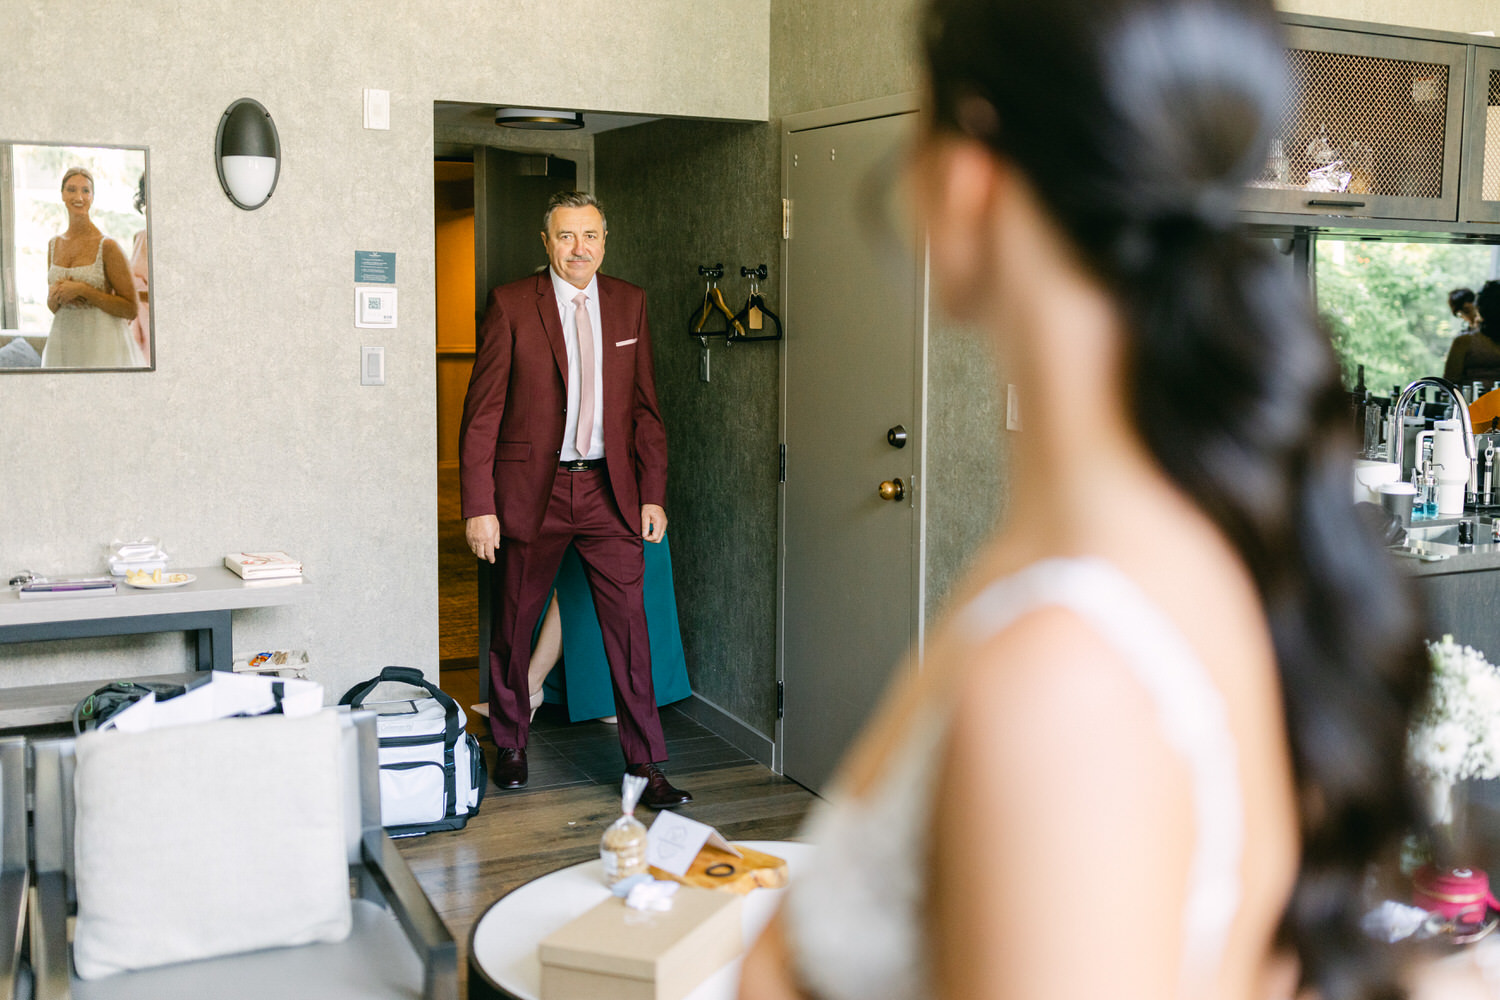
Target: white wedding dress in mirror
point(855, 917)
point(83, 336)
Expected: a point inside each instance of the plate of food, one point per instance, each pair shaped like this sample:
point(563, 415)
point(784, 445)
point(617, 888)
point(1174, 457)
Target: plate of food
point(157, 580)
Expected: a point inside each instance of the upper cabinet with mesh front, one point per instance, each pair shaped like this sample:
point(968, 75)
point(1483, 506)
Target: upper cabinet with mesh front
point(1479, 190)
point(1372, 127)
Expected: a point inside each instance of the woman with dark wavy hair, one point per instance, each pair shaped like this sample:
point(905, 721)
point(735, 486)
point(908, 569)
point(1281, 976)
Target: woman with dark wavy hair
point(1155, 748)
point(1474, 355)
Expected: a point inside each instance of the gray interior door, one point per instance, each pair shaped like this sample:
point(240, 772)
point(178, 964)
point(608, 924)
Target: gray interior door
point(849, 558)
point(511, 191)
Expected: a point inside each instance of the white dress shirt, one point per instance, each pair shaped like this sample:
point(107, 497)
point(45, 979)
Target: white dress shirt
point(567, 313)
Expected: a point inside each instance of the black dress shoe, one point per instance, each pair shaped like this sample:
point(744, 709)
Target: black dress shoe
point(510, 767)
point(659, 793)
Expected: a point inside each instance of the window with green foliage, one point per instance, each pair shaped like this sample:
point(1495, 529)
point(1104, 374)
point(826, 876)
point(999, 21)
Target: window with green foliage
point(1386, 304)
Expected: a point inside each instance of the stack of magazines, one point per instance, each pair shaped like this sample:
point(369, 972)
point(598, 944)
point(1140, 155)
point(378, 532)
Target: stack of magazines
point(265, 567)
point(66, 586)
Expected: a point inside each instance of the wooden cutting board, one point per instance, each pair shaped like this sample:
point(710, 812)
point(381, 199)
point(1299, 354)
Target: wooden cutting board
point(1484, 412)
point(754, 870)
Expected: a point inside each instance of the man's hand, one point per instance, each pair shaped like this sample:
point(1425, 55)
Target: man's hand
point(653, 522)
point(483, 535)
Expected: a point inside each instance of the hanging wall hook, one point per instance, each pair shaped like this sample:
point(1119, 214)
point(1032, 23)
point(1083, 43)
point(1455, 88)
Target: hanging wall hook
point(755, 315)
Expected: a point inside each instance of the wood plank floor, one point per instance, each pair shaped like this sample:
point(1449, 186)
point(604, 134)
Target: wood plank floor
point(572, 796)
point(458, 575)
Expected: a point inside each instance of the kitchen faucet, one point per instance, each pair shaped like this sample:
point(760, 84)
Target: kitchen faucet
point(1398, 437)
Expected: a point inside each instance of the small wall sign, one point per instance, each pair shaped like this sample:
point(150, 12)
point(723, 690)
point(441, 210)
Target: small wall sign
point(372, 267)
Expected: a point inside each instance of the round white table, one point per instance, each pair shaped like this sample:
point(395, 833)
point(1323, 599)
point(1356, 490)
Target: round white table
point(503, 961)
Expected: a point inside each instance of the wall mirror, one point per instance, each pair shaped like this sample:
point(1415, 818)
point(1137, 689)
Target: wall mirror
point(76, 335)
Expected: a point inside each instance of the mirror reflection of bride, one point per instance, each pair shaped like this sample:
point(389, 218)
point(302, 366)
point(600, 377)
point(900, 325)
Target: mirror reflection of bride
point(90, 290)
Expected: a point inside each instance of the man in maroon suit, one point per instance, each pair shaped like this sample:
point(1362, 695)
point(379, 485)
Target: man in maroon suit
point(561, 443)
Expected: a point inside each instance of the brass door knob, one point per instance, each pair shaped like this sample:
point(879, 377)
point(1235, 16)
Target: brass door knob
point(893, 489)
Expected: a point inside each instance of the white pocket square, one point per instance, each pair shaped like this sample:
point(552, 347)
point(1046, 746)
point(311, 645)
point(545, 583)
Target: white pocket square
point(626, 343)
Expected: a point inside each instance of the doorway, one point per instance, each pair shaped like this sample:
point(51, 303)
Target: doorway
point(852, 418)
point(488, 206)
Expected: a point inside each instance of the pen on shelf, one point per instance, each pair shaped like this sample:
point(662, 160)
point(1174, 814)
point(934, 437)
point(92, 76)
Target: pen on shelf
point(70, 585)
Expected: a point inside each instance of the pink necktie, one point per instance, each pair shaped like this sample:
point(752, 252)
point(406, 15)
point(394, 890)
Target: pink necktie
point(585, 375)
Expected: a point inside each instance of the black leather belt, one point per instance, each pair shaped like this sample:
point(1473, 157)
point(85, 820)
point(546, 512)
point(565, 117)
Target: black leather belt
point(581, 465)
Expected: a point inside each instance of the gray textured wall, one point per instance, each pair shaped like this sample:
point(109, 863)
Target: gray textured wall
point(830, 52)
point(257, 304)
point(681, 194)
point(254, 432)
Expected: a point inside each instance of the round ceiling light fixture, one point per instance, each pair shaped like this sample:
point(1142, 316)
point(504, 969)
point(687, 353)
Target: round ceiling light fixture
point(247, 153)
point(536, 118)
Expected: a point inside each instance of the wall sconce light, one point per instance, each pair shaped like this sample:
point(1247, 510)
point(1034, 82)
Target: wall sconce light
point(534, 118)
point(247, 153)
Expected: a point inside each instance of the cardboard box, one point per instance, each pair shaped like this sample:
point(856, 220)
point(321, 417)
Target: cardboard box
point(613, 952)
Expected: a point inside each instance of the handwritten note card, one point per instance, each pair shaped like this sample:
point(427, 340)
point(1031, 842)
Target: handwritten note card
point(674, 841)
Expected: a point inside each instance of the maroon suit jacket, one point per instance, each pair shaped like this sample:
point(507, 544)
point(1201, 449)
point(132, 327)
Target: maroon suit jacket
point(510, 441)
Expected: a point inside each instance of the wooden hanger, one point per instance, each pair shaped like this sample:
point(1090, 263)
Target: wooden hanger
point(713, 302)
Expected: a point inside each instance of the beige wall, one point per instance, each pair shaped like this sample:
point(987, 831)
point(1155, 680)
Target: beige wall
point(1435, 15)
point(255, 432)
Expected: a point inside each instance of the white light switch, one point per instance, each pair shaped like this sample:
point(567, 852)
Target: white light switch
point(1012, 408)
point(372, 366)
point(377, 109)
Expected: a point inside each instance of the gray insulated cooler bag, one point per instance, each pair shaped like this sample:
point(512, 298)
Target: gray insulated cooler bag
point(432, 774)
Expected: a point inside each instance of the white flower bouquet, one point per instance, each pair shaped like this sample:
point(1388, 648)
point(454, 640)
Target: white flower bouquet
point(1456, 734)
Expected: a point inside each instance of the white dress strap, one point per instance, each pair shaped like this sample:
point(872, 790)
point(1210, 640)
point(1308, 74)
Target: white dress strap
point(1190, 709)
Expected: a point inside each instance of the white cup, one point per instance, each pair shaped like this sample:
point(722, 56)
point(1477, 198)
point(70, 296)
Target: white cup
point(1368, 477)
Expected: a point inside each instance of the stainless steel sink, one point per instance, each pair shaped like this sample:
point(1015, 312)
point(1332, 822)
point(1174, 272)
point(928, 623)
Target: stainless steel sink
point(1446, 534)
point(1439, 539)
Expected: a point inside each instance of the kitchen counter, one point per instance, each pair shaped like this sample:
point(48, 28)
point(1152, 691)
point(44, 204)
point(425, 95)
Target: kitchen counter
point(1439, 556)
point(1458, 584)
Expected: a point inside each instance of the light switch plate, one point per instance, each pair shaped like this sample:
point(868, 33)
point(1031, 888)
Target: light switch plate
point(377, 109)
point(372, 366)
point(375, 307)
point(1012, 408)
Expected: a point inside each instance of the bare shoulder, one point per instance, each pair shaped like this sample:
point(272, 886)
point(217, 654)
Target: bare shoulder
point(1050, 683)
point(1057, 786)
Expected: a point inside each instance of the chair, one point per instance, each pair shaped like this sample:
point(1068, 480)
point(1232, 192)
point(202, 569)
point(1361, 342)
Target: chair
point(398, 946)
point(14, 872)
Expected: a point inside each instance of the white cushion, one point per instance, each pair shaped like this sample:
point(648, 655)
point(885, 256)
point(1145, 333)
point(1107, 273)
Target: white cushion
point(205, 840)
point(375, 962)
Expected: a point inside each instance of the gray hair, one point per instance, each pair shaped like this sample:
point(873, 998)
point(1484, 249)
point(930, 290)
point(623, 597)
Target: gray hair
point(572, 199)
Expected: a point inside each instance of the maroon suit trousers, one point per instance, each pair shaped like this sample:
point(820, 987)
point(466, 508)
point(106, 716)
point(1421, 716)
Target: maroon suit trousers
point(581, 511)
